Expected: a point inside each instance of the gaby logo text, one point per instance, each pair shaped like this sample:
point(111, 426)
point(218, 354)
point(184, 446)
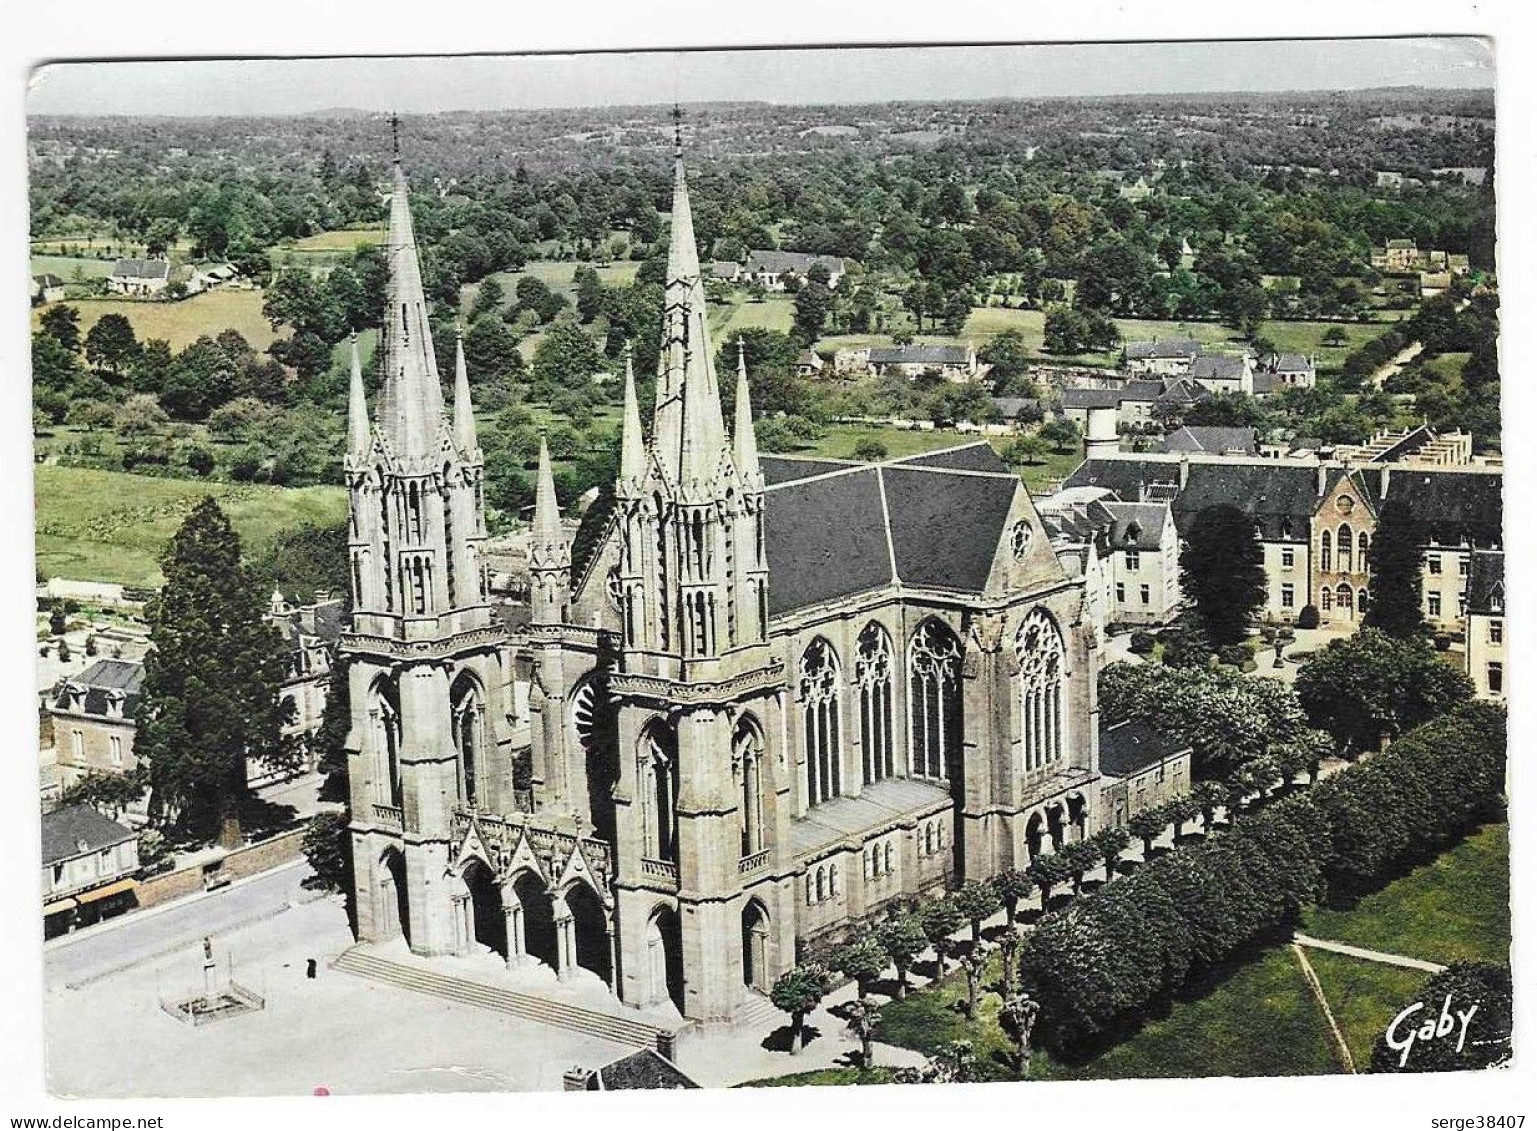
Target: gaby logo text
point(1402, 1032)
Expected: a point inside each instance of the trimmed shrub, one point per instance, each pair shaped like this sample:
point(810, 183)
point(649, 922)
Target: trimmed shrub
point(1308, 617)
point(1142, 643)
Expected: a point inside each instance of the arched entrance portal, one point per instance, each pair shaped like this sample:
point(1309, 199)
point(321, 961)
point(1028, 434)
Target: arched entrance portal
point(755, 972)
point(1035, 835)
point(486, 905)
point(394, 908)
point(591, 926)
point(538, 920)
point(664, 951)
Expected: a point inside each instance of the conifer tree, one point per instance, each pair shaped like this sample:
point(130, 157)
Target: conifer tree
point(211, 681)
point(1394, 559)
point(1222, 570)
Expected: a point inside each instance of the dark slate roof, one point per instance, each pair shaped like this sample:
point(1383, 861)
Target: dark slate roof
point(47, 281)
point(100, 680)
point(1182, 390)
point(1136, 526)
point(725, 269)
point(970, 511)
point(1091, 398)
point(853, 530)
point(1291, 363)
point(1164, 347)
point(645, 1068)
point(1265, 383)
point(920, 355)
point(778, 262)
point(1210, 438)
point(64, 829)
point(1486, 582)
point(1452, 505)
point(1011, 407)
point(1280, 497)
point(1127, 748)
point(1142, 390)
point(783, 469)
point(141, 269)
point(972, 457)
point(1217, 367)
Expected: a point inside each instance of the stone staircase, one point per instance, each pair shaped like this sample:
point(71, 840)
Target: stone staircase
point(561, 1015)
point(759, 1013)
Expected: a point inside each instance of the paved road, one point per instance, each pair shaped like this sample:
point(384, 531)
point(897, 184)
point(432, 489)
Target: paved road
point(142, 936)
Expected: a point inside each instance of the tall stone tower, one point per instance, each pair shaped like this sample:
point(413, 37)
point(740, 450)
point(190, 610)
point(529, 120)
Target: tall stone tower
point(424, 668)
point(695, 690)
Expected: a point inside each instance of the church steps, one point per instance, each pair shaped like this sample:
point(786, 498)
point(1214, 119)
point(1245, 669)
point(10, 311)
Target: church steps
point(590, 1022)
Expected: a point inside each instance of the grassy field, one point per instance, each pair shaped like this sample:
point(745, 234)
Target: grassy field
point(1454, 909)
point(1363, 996)
point(182, 323)
point(110, 526)
point(69, 268)
point(557, 274)
point(343, 239)
point(776, 312)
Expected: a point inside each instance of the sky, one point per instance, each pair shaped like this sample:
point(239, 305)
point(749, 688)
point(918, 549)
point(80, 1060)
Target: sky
point(428, 84)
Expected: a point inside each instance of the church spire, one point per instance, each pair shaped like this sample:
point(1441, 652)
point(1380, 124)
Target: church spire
point(464, 411)
point(357, 406)
point(411, 403)
point(690, 431)
point(742, 435)
point(632, 447)
point(546, 507)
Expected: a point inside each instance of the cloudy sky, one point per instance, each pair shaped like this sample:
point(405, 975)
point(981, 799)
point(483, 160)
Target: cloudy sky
point(489, 82)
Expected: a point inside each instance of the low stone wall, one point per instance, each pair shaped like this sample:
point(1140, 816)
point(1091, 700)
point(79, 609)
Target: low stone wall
point(237, 865)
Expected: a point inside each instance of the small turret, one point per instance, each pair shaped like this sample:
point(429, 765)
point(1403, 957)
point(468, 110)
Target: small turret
point(742, 435)
point(358, 439)
point(632, 448)
point(549, 554)
point(464, 412)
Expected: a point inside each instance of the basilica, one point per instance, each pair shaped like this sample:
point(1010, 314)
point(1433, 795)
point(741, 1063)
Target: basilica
point(780, 696)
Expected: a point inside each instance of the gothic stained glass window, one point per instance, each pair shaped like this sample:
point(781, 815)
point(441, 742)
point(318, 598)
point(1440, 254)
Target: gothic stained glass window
point(820, 696)
point(934, 701)
point(1042, 659)
point(872, 675)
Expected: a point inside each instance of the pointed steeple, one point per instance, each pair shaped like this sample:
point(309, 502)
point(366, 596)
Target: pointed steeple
point(690, 432)
point(742, 435)
point(632, 447)
point(411, 403)
point(357, 407)
point(546, 508)
point(464, 411)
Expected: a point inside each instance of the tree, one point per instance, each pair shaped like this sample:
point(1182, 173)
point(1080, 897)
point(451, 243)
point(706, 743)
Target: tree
point(1370, 687)
point(62, 324)
point(1017, 1018)
point(870, 450)
point(812, 303)
point(1048, 870)
point(798, 991)
point(974, 963)
point(1208, 795)
point(1008, 950)
point(589, 293)
point(1061, 433)
point(565, 357)
point(111, 344)
point(1147, 825)
point(212, 677)
point(307, 559)
point(864, 1017)
point(863, 959)
point(109, 794)
point(1110, 842)
point(976, 900)
point(1180, 810)
point(1077, 858)
point(1222, 570)
point(902, 938)
point(1012, 885)
point(1007, 354)
point(327, 846)
point(56, 621)
point(1394, 559)
point(941, 918)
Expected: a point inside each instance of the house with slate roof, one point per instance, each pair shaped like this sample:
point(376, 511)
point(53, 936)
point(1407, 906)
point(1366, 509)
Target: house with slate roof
point(1486, 642)
point(93, 720)
point(1161, 357)
point(141, 277)
point(1213, 439)
point(1316, 521)
point(770, 698)
point(1134, 545)
point(88, 868)
point(770, 267)
point(954, 363)
point(1141, 767)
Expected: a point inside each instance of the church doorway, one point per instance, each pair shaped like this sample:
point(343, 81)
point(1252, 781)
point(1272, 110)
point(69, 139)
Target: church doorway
point(486, 906)
point(664, 953)
point(394, 907)
point(755, 974)
point(591, 926)
point(538, 920)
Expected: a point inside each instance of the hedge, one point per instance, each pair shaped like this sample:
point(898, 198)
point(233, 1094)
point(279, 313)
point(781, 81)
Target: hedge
point(1099, 963)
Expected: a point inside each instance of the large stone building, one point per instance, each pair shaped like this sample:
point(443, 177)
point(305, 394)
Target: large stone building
point(776, 696)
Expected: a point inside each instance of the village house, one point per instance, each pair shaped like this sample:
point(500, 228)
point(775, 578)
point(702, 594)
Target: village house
point(726, 270)
point(1223, 372)
point(953, 363)
point(1139, 404)
point(141, 277)
point(769, 268)
point(809, 364)
point(1288, 370)
point(47, 288)
point(1141, 768)
point(1486, 642)
point(1210, 438)
point(1161, 357)
point(88, 868)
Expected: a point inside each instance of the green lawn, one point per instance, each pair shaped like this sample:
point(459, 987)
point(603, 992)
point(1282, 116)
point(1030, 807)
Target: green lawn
point(776, 312)
point(1261, 1020)
point(1363, 996)
point(1454, 909)
point(111, 526)
point(557, 274)
point(182, 323)
point(71, 268)
point(931, 1018)
point(876, 1075)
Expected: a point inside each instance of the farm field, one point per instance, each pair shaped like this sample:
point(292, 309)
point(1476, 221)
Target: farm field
point(71, 268)
point(111, 526)
point(182, 323)
point(323, 248)
point(557, 274)
point(776, 312)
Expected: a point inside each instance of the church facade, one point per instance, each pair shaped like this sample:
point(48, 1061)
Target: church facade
point(778, 697)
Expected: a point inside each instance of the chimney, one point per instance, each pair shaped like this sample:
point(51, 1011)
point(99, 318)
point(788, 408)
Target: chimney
point(1100, 437)
point(1323, 475)
point(1385, 471)
point(1184, 470)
